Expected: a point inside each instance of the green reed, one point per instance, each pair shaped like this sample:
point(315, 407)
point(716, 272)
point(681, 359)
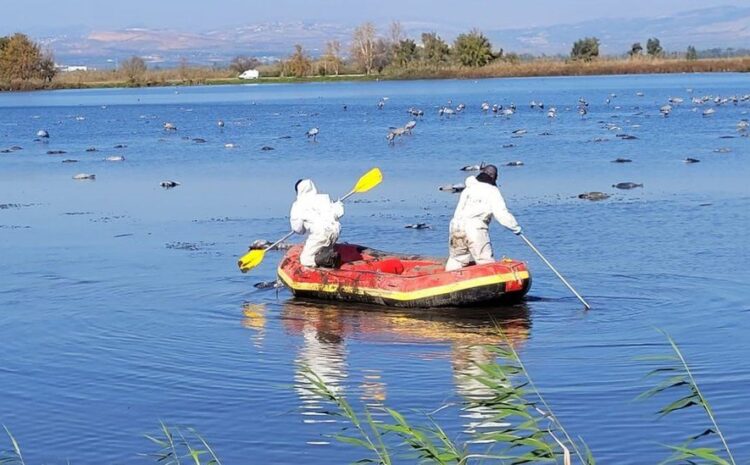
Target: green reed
point(529, 431)
point(12, 456)
point(678, 379)
point(176, 446)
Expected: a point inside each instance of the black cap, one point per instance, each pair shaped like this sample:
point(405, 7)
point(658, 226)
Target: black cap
point(491, 171)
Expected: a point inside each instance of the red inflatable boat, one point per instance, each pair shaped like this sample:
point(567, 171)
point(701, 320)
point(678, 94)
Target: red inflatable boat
point(397, 280)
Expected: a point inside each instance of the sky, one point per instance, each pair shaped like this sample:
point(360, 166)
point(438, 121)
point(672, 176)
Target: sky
point(40, 17)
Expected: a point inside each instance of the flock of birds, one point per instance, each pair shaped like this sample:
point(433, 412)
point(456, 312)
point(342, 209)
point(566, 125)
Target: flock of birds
point(707, 104)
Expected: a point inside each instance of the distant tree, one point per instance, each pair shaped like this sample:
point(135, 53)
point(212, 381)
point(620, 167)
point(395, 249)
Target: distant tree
point(434, 49)
point(332, 59)
point(653, 47)
point(473, 49)
point(692, 53)
point(585, 49)
point(636, 50)
point(240, 64)
point(299, 63)
point(363, 47)
point(20, 59)
point(382, 53)
point(184, 69)
point(134, 68)
point(405, 52)
point(47, 70)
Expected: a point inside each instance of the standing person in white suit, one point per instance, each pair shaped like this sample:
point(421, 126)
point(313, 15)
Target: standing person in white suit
point(317, 215)
point(469, 228)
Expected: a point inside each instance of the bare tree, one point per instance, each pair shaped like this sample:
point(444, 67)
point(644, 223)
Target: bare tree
point(299, 62)
point(134, 68)
point(332, 57)
point(363, 46)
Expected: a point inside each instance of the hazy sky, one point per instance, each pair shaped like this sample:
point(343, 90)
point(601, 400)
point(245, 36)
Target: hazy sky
point(42, 16)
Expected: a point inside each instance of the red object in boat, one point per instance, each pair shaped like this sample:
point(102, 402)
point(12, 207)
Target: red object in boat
point(371, 276)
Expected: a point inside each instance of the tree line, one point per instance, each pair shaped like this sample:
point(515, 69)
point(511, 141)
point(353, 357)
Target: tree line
point(23, 63)
point(587, 49)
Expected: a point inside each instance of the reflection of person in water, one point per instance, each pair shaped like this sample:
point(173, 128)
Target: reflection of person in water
point(325, 328)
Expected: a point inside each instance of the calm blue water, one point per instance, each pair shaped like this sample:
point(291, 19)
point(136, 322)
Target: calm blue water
point(121, 304)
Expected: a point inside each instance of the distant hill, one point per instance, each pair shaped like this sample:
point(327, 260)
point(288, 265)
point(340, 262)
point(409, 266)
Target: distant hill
point(705, 28)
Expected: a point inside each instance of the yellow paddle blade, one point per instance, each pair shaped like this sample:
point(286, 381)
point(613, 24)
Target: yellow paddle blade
point(250, 260)
point(368, 180)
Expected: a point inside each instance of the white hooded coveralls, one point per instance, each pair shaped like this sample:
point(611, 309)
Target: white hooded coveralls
point(315, 214)
point(469, 233)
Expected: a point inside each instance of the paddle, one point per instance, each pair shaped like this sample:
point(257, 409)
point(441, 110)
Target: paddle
point(528, 242)
point(254, 257)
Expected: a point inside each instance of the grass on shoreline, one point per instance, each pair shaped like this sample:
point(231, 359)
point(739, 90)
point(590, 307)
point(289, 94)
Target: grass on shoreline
point(535, 68)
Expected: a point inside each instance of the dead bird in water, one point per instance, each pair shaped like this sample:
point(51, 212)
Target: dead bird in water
point(473, 167)
point(622, 160)
point(169, 184)
point(82, 176)
point(626, 185)
point(514, 163)
point(452, 188)
point(115, 158)
point(418, 226)
point(268, 285)
point(691, 160)
point(593, 196)
point(264, 244)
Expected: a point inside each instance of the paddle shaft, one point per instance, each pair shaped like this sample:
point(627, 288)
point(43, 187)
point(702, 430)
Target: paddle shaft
point(288, 235)
point(528, 242)
point(352, 192)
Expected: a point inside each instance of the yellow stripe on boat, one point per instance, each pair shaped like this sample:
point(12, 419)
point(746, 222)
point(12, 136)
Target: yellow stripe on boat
point(405, 295)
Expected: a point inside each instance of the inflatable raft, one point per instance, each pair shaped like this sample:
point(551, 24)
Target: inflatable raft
point(397, 280)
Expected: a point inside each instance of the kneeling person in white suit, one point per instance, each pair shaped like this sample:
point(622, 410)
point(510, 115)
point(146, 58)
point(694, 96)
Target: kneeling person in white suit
point(317, 215)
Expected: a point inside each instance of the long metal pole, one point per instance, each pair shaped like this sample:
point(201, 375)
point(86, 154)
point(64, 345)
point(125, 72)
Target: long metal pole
point(528, 242)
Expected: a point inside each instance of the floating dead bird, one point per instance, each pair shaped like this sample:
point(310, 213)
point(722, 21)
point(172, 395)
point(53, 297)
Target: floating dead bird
point(15, 148)
point(42, 134)
point(264, 244)
point(545, 133)
point(519, 132)
point(709, 112)
point(410, 125)
point(169, 127)
point(514, 163)
point(593, 196)
point(284, 137)
point(622, 160)
point(473, 167)
point(6, 151)
point(626, 185)
point(115, 158)
point(267, 148)
point(199, 140)
point(91, 149)
point(665, 110)
point(121, 146)
point(56, 152)
point(82, 176)
point(220, 123)
point(230, 146)
point(722, 150)
point(313, 132)
point(268, 285)
point(452, 188)
point(691, 160)
point(508, 146)
point(626, 137)
point(69, 160)
point(418, 226)
point(169, 184)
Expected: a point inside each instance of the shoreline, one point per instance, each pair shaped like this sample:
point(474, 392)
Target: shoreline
point(535, 68)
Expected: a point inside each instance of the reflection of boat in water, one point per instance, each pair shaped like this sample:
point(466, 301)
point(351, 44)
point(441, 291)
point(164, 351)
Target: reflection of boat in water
point(398, 280)
point(325, 329)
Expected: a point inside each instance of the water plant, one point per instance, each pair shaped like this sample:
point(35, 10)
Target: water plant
point(524, 427)
point(176, 446)
point(676, 377)
point(12, 456)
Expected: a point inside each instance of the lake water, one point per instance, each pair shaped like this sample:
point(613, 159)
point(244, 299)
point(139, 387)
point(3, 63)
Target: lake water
point(121, 304)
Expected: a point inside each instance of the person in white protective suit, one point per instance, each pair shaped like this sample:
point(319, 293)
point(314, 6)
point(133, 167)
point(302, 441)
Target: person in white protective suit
point(480, 201)
point(317, 215)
